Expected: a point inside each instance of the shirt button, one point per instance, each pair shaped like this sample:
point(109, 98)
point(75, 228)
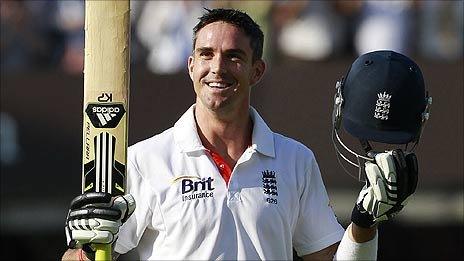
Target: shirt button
point(221, 166)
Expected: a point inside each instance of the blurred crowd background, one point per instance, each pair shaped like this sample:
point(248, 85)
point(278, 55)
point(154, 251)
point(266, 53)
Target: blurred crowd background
point(308, 46)
point(49, 34)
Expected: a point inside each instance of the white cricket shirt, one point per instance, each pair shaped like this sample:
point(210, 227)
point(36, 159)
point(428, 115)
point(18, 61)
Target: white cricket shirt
point(276, 199)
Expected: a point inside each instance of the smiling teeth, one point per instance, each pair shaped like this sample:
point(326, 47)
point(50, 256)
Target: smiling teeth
point(217, 85)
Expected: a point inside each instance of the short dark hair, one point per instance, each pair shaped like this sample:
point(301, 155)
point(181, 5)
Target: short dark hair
point(237, 18)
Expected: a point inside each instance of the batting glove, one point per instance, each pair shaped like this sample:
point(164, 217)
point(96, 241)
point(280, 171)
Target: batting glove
point(96, 218)
point(390, 181)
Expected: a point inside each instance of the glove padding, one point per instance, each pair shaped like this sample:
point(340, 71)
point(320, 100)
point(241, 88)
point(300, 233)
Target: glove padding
point(390, 181)
point(96, 218)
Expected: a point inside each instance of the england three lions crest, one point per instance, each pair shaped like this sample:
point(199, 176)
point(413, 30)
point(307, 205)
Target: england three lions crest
point(270, 186)
point(382, 106)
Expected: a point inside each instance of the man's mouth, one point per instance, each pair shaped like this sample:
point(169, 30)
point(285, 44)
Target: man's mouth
point(218, 85)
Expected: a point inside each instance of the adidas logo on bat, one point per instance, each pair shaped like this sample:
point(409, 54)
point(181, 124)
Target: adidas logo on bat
point(105, 115)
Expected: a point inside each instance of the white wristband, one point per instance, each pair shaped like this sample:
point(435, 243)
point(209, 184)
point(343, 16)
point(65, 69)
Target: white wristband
point(350, 250)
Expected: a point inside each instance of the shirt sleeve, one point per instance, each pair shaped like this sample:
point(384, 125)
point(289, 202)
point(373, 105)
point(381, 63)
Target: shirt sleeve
point(132, 230)
point(317, 226)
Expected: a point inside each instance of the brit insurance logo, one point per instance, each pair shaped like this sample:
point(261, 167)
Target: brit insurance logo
point(194, 188)
point(270, 186)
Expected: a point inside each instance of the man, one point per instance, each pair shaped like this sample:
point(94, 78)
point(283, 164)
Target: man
point(220, 184)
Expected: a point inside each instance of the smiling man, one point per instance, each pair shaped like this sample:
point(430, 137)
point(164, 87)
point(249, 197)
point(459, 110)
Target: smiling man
point(220, 184)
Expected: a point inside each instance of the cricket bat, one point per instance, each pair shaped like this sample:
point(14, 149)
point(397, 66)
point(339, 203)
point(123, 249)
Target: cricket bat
point(106, 100)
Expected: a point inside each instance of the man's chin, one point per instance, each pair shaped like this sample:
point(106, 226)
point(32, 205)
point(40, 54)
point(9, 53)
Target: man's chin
point(218, 106)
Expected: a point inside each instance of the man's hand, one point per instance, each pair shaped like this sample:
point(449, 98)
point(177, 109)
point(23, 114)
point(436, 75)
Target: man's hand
point(96, 218)
point(390, 181)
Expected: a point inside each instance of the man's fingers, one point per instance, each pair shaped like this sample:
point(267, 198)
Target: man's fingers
point(400, 158)
point(97, 217)
point(98, 205)
point(93, 198)
point(413, 168)
point(390, 180)
point(411, 162)
point(367, 199)
point(406, 171)
point(380, 193)
point(384, 189)
point(388, 168)
point(92, 212)
point(88, 236)
point(95, 224)
point(386, 163)
point(125, 203)
point(372, 172)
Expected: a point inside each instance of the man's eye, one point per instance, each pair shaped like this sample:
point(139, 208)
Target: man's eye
point(206, 55)
point(235, 57)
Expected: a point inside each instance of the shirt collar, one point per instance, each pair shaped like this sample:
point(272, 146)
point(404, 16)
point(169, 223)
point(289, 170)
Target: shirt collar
point(262, 137)
point(186, 134)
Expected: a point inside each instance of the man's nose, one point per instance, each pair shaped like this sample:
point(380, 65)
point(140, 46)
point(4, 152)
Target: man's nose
point(218, 65)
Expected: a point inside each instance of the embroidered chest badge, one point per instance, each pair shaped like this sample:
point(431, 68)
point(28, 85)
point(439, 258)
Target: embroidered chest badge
point(270, 186)
point(382, 106)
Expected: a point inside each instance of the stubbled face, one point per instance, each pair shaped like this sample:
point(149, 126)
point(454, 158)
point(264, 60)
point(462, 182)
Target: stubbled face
point(222, 69)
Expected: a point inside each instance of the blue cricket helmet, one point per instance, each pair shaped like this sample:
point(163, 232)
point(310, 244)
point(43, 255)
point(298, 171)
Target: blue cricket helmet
point(384, 98)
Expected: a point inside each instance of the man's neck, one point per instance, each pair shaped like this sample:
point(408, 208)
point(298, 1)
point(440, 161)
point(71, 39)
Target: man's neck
point(229, 137)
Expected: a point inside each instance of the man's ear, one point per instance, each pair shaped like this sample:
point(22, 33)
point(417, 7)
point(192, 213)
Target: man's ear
point(190, 66)
point(259, 67)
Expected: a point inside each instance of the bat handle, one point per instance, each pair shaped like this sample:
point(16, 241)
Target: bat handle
point(102, 252)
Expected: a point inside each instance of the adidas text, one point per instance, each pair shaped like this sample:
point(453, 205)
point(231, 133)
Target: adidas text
point(105, 109)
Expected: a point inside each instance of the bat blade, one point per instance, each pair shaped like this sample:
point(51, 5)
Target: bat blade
point(103, 172)
point(106, 100)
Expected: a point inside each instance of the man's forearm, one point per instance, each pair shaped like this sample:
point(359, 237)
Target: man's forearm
point(358, 244)
point(360, 235)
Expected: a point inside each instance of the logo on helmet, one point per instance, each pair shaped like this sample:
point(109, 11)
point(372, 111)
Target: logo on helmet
point(382, 106)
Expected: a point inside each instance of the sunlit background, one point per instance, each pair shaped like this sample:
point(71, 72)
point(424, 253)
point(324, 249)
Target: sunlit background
point(309, 46)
